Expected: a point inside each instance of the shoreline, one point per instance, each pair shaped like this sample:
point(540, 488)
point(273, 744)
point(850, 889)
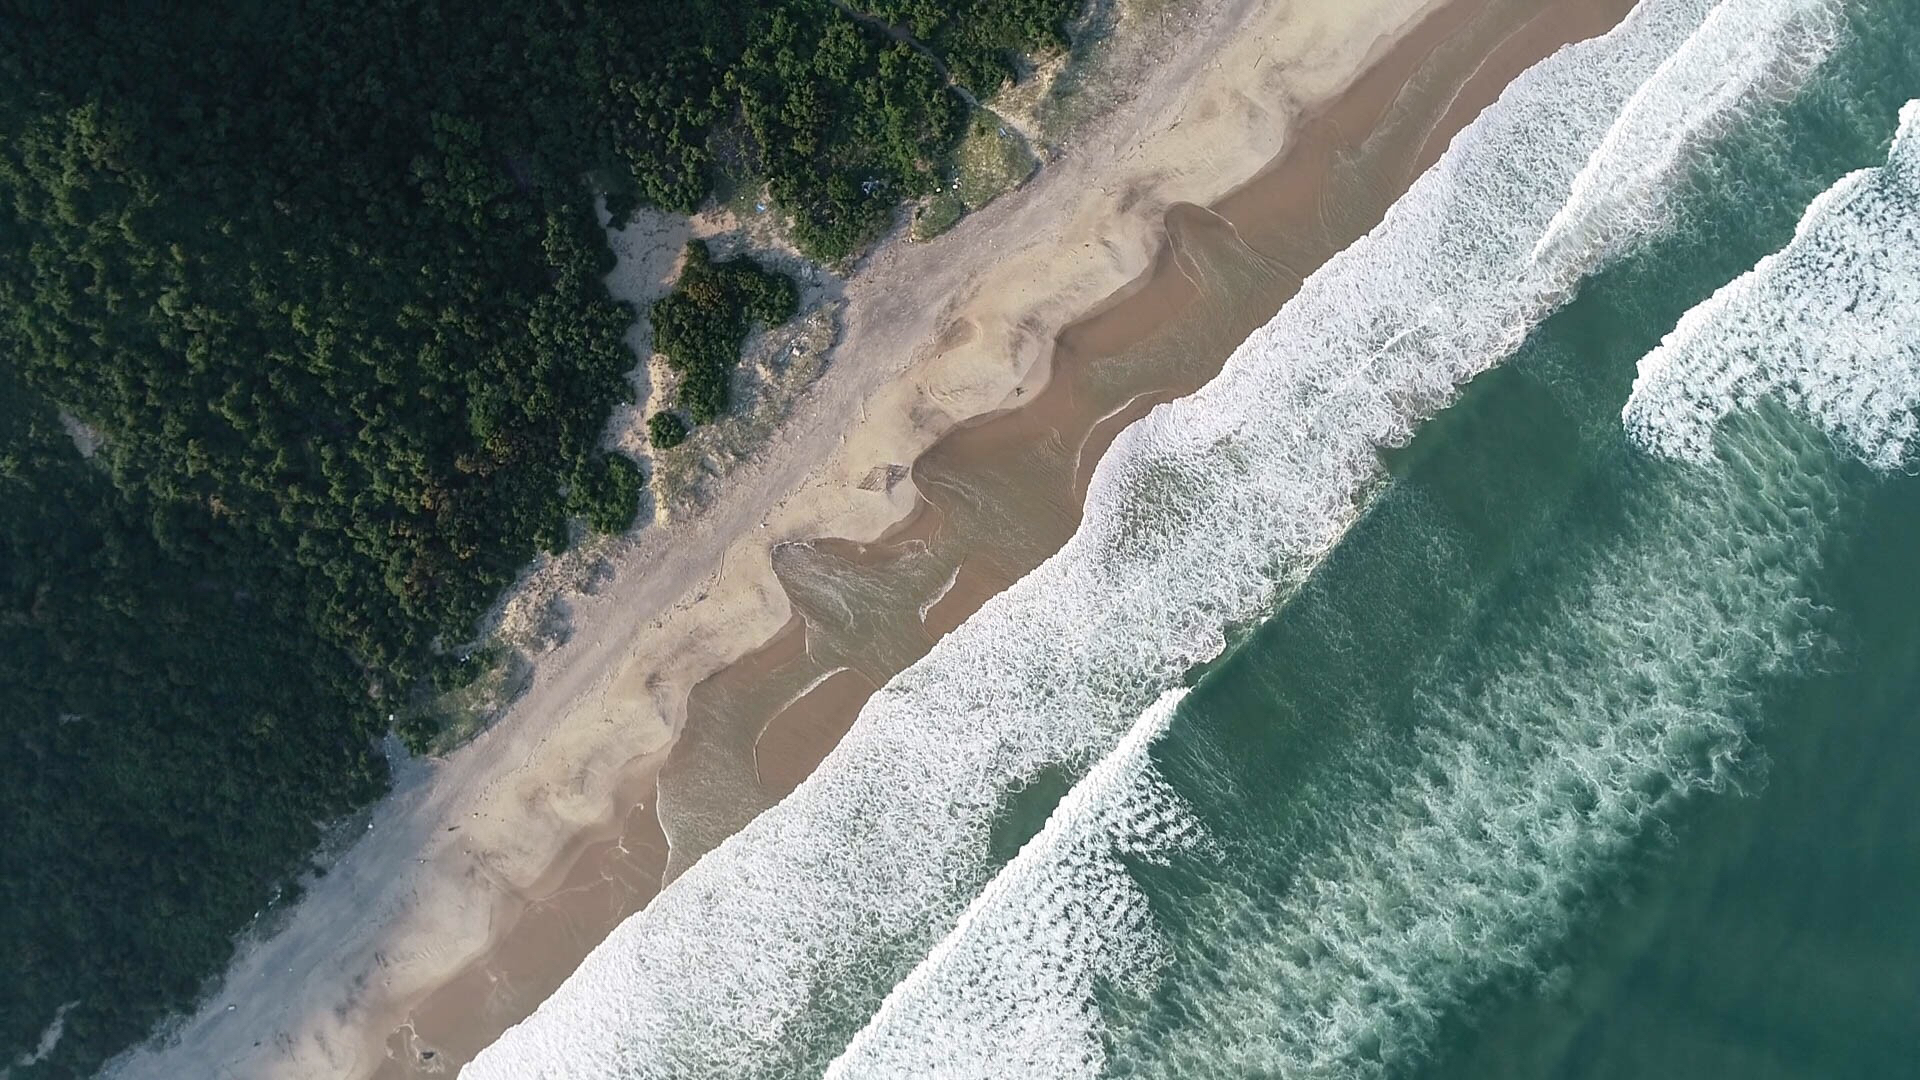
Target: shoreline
point(781, 741)
point(431, 891)
point(1051, 432)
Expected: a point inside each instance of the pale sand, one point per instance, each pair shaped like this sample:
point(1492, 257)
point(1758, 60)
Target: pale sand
point(1000, 493)
point(934, 334)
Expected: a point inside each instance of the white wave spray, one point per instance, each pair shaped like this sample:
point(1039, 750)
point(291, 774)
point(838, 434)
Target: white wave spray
point(1450, 865)
point(1743, 55)
point(766, 956)
point(1830, 325)
point(1010, 991)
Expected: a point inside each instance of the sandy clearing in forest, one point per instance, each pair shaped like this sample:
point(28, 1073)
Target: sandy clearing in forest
point(933, 334)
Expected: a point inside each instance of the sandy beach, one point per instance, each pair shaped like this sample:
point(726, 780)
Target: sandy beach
point(711, 650)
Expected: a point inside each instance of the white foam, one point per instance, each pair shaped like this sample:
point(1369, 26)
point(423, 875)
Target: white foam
point(941, 593)
point(49, 1039)
point(1434, 877)
point(1745, 54)
point(1828, 325)
point(778, 945)
point(1009, 992)
point(813, 684)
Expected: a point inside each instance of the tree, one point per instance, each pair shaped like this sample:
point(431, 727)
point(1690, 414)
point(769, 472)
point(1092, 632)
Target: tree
point(700, 326)
point(665, 430)
point(606, 491)
point(324, 281)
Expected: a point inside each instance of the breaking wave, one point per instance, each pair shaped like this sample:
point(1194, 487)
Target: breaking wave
point(776, 948)
point(1010, 992)
point(1746, 53)
point(1457, 858)
point(1827, 325)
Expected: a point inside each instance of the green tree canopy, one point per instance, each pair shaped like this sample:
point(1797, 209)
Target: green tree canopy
point(322, 279)
point(700, 325)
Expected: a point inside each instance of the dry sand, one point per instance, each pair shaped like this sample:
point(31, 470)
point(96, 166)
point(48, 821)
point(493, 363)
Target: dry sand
point(934, 334)
point(1001, 493)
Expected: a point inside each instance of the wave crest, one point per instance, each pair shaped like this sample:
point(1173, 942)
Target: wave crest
point(1009, 992)
point(770, 953)
point(1826, 325)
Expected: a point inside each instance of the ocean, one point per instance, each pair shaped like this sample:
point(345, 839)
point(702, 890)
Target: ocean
point(1507, 666)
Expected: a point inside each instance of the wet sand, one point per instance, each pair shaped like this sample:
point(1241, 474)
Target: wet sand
point(598, 882)
point(1002, 492)
point(800, 736)
point(997, 495)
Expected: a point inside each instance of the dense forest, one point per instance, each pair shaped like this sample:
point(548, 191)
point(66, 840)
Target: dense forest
point(318, 289)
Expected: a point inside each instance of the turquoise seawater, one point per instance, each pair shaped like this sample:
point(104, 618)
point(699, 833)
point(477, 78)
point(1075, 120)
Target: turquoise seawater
point(1509, 666)
point(1570, 761)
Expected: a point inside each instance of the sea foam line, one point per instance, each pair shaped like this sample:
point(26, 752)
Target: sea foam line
point(940, 594)
point(1744, 55)
point(1827, 324)
point(773, 950)
point(1010, 990)
point(972, 1009)
point(1634, 687)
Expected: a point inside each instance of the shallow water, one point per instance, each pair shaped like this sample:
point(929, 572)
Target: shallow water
point(1401, 707)
point(1573, 760)
point(1005, 491)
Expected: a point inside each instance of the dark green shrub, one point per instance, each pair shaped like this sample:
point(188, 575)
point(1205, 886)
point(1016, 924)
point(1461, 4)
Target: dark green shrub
point(665, 430)
point(325, 278)
point(700, 325)
point(606, 491)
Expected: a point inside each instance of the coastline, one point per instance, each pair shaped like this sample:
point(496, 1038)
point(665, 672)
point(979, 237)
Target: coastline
point(1001, 492)
point(463, 849)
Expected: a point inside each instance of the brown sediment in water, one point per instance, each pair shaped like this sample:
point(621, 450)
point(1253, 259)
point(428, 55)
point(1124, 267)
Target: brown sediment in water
point(1221, 273)
point(998, 495)
point(799, 736)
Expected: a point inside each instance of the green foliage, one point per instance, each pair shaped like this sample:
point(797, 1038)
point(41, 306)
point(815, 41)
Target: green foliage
point(665, 430)
point(941, 213)
point(380, 393)
point(700, 325)
point(336, 306)
point(323, 277)
point(847, 122)
point(978, 39)
point(606, 491)
point(172, 738)
point(992, 160)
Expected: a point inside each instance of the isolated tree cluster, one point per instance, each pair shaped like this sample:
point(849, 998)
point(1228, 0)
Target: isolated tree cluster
point(700, 325)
